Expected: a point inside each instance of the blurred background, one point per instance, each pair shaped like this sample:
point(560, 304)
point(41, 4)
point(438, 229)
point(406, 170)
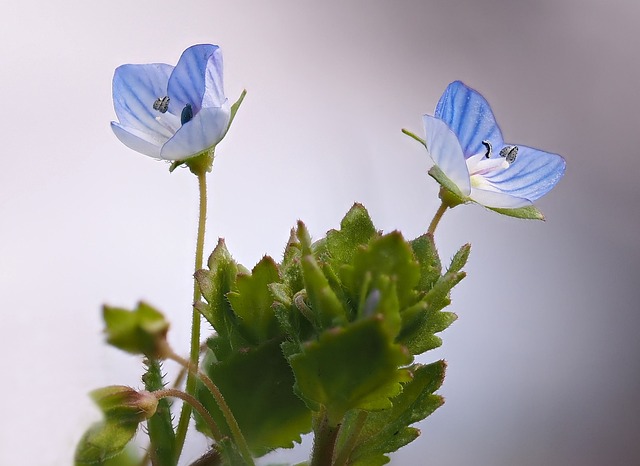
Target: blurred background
point(544, 364)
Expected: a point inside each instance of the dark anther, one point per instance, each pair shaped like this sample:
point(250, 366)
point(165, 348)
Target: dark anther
point(187, 114)
point(487, 144)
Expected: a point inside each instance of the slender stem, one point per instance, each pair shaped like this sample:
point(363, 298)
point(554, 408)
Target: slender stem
point(436, 218)
point(324, 441)
point(222, 404)
point(193, 402)
point(344, 452)
point(185, 413)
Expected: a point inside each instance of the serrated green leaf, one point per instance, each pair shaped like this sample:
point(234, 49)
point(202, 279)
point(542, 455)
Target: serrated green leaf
point(460, 258)
point(421, 321)
point(215, 283)
point(424, 249)
point(140, 331)
point(386, 431)
point(325, 305)
point(389, 255)
point(252, 301)
point(257, 384)
point(356, 229)
point(527, 213)
point(350, 367)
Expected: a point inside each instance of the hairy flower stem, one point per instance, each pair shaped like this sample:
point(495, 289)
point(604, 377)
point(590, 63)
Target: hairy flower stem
point(436, 218)
point(239, 439)
point(324, 441)
point(343, 454)
point(185, 413)
point(195, 404)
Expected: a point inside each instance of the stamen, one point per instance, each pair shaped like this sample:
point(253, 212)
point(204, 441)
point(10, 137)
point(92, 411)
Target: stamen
point(487, 144)
point(187, 114)
point(510, 153)
point(161, 104)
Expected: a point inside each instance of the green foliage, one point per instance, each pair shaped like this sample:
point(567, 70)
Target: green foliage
point(256, 384)
point(104, 440)
point(141, 331)
point(387, 431)
point(324, 339)
point(348, 368)
point(328, 332)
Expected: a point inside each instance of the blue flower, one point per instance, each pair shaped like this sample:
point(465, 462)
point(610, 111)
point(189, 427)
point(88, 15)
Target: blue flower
point(172, 113)
point(466, 145)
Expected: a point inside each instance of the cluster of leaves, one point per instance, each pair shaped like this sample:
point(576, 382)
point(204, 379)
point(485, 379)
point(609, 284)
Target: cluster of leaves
point(323, 341)
point(326, 339)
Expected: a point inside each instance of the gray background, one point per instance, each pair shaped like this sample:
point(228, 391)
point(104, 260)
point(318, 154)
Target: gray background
point(543, 362)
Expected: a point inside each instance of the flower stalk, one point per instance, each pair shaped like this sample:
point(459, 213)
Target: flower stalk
point(436, 218)
point(194, 354)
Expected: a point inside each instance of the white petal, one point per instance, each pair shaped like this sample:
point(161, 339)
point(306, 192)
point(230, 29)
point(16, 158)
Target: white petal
point(137, 140)
point(445, 150)
point(201, 133)
point(497, 199)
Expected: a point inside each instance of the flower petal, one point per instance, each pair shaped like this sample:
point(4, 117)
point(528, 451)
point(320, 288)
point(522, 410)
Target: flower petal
point(201, 133)
point(135, 89)
point(197, 79)
point(137, 140)
point(469, 116)
point(531, 175)
point(445, 150)
point(497, 199)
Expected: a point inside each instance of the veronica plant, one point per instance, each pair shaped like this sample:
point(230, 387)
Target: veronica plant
point(323, 341)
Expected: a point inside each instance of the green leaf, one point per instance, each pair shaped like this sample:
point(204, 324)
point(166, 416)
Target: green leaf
point(356, 229)
point(389, 255)
point(104, 440)
point(141, 331)
point(326, 307)
point(422, 321)
point(425, 252)
point(257, 384)
point(386, 431)
point(528, 213)
point(160, 426)
point(252, 302)
point(215, 284)
point(460, 258)
point(290, 268)
point(350, 367)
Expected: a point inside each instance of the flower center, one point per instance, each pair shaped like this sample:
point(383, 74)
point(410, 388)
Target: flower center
point(482, 164)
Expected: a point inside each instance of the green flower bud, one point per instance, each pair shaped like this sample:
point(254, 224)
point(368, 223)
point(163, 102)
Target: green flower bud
point(141, 331)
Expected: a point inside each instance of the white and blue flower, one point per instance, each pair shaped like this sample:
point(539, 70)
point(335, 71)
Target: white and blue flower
point(172, 113)
point(467, 147)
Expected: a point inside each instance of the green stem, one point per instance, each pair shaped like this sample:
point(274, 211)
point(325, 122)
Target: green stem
point(222, 404)
point(324, 441)
point(347, 447)
point(185, 413)
point(195, 404)
point(436, 218)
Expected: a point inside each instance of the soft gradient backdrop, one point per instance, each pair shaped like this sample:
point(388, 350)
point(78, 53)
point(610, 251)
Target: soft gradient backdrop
point(544, 364)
